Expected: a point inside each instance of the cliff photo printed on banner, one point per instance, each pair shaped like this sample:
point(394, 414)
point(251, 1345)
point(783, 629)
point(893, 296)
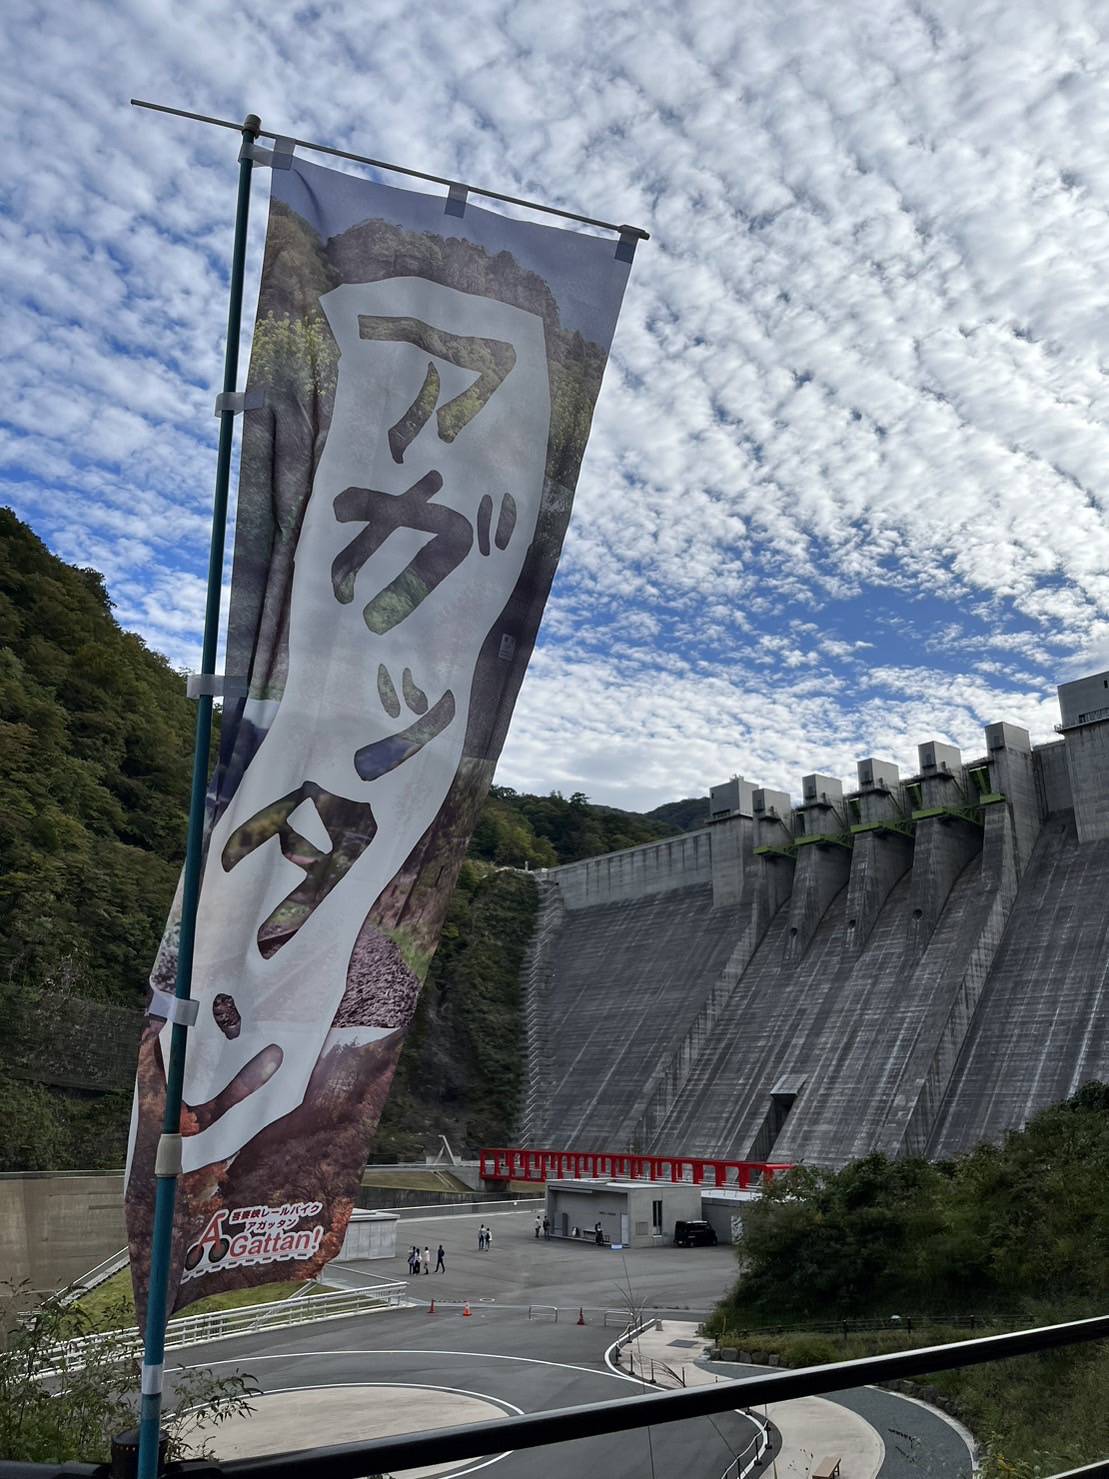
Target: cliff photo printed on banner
point(429, 384)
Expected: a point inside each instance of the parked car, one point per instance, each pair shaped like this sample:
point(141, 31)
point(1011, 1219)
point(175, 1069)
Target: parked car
point(696, 1234)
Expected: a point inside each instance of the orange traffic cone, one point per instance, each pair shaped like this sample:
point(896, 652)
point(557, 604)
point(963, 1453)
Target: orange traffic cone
point(581, 1315)
point(466, 1308)
point(431, 1308)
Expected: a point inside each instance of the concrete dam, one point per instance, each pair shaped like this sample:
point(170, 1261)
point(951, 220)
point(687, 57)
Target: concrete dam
point(913, 966)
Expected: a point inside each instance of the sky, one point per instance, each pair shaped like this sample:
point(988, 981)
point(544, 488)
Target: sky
point(846, 489)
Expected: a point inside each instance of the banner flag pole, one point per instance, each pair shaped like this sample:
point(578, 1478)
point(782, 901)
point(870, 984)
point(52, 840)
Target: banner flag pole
point(168, 1163)
point(634, 233)
point(495, 332)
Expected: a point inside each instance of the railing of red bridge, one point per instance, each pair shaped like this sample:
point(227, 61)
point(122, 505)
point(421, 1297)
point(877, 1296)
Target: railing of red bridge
point(522, 1163)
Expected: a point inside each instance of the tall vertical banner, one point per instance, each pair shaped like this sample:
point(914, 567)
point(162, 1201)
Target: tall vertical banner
point(430, 371)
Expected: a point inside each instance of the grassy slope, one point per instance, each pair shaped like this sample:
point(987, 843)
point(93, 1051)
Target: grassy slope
point(112, 1307)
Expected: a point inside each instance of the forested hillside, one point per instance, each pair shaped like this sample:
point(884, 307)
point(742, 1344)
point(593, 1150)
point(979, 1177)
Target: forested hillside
point(95, 756)
point(519, 831)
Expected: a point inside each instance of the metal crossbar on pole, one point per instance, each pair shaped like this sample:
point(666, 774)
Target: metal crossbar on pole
point(168, 1163)
point(400, 169)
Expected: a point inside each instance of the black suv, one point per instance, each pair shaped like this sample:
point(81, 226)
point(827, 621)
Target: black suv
point(694, 1235)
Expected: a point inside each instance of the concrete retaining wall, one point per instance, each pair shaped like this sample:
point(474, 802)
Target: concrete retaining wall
point(54, 1228)
point(369, 1235)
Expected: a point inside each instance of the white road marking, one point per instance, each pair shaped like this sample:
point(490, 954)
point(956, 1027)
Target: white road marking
point(415, 1351)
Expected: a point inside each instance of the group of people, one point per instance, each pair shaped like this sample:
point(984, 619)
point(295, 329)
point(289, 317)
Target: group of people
point(421, 1262)
point(418, 1261)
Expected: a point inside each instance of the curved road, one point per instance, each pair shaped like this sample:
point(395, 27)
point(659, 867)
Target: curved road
point(502, 1357)
point(919, 1441)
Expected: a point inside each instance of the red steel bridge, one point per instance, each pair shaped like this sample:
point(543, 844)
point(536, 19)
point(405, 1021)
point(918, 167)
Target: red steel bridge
point(516, 1163)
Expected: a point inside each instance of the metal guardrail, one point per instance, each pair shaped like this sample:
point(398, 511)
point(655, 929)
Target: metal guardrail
point(585, 1314)
point(465, 1206)
point(523, 1163)
point(752, 1455)
point(477, 1440)
point(49, 1175)
point(246, 1320)
point(752, 1333)
point(96, 1276)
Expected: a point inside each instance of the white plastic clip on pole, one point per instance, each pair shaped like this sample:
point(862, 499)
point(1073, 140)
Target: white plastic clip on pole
point(214, 685)
point(279, 157)
point(183, 1009)
point(238, 401)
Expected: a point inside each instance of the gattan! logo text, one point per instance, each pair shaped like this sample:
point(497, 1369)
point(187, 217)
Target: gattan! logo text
point(237, 1237)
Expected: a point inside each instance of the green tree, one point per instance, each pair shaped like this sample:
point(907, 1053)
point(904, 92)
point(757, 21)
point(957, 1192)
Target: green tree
point(999, 1230)
point(59, 1402)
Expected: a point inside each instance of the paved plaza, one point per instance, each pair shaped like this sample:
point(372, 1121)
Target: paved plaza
point(520, 1269)
point(411, 1369)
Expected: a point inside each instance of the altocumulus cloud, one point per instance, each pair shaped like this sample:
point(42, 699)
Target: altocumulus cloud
point(845, 490)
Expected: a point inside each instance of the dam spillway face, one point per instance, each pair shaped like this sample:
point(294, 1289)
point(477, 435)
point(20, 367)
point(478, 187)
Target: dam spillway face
point(912, 965)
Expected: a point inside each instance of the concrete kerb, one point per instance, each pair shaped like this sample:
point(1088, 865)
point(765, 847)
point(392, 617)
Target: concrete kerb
point(552, 1314)
point(744, 1463)
point(296, 1415)
point(953, 1423)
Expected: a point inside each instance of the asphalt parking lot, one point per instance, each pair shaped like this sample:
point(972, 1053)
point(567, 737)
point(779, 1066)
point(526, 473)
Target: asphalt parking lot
point(523, 1270)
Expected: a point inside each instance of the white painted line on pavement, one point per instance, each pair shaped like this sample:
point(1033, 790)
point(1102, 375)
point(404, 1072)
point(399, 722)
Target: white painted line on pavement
point(417, 1351)
point(416, 1386)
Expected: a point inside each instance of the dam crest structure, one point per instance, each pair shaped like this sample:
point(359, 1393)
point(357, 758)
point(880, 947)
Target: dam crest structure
point(912, 966)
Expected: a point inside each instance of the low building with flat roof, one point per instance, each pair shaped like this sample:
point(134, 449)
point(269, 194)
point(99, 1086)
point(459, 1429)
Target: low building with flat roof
point(632, 1214)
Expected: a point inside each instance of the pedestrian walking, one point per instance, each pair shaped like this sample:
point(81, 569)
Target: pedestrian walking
point(488, 1238)
point(538, 1223)
point(427, 1260)
point(481, 1238)
point(440, 1266)
point(412, 1260)
point(547, 1229)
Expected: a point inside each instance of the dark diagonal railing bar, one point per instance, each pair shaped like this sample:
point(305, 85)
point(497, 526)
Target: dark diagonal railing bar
point(476, 1440)
point(354, 1460)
